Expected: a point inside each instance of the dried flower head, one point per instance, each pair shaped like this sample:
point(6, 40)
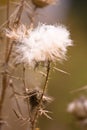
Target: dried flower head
point(40, 45)
point(42, 3)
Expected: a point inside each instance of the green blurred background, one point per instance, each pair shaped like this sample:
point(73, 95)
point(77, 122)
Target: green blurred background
point(73, 14)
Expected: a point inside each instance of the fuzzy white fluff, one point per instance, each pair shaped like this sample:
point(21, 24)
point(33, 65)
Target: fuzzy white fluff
point(44, 43)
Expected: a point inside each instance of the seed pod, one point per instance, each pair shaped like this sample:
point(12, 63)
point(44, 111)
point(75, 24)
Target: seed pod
point(42, 3)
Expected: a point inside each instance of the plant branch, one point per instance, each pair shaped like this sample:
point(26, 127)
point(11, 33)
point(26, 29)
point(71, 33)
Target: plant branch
point(27, 99)
point(19, 13)
point(4, 78)
point(13, 90)
point(7, 55)
point(44, 89)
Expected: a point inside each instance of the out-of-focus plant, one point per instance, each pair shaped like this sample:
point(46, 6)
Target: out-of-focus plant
point(78, 107)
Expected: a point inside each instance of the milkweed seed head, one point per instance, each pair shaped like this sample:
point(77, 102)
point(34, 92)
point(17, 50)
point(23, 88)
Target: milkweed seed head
point(40, 45)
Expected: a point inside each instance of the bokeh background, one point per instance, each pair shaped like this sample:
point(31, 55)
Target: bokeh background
point(73, 14)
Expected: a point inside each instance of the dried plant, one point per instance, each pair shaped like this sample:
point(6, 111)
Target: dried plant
point(78, 109)
point(32, 46)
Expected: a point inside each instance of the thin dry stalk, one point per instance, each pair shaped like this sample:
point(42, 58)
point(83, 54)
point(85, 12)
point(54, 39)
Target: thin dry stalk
point(7, 55)
point(13, 90)
point(25, 89)
point(24, 69)
point(19, 14)
point(34, 121)
point(7, 44)
point(4, 78)
point(16, 22)
point(24, 77)
point(32, 17)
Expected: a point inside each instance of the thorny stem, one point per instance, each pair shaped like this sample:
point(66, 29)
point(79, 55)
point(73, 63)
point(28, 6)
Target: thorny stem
point(44, 89)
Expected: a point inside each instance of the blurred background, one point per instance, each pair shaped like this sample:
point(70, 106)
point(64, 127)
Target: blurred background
point(72, 14)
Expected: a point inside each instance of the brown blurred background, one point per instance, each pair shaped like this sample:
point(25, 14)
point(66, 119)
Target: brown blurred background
point(73, 14)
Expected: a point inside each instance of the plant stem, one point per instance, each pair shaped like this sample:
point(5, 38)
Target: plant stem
point(13, 90)
point(4, 75)
point(7, 44)
point(44, 89)
point(19, 13)
point(7, 56)
point(4, 78)
point(4, 84)
point(25, 88)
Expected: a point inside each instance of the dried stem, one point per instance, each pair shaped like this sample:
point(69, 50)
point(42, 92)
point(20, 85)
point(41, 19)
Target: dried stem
point(31, 26)
point(44, 89)
point(24, 77)
point(7, 44)
point(46, 81)
point(32, 17)
point(13, 90)
point(4, 84)
point(25, 89)
point(16, 21)
point(4, 78)
point(7, 55)
point(19, 13)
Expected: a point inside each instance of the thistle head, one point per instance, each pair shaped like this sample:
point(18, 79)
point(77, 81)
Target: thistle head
point(40, 45)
